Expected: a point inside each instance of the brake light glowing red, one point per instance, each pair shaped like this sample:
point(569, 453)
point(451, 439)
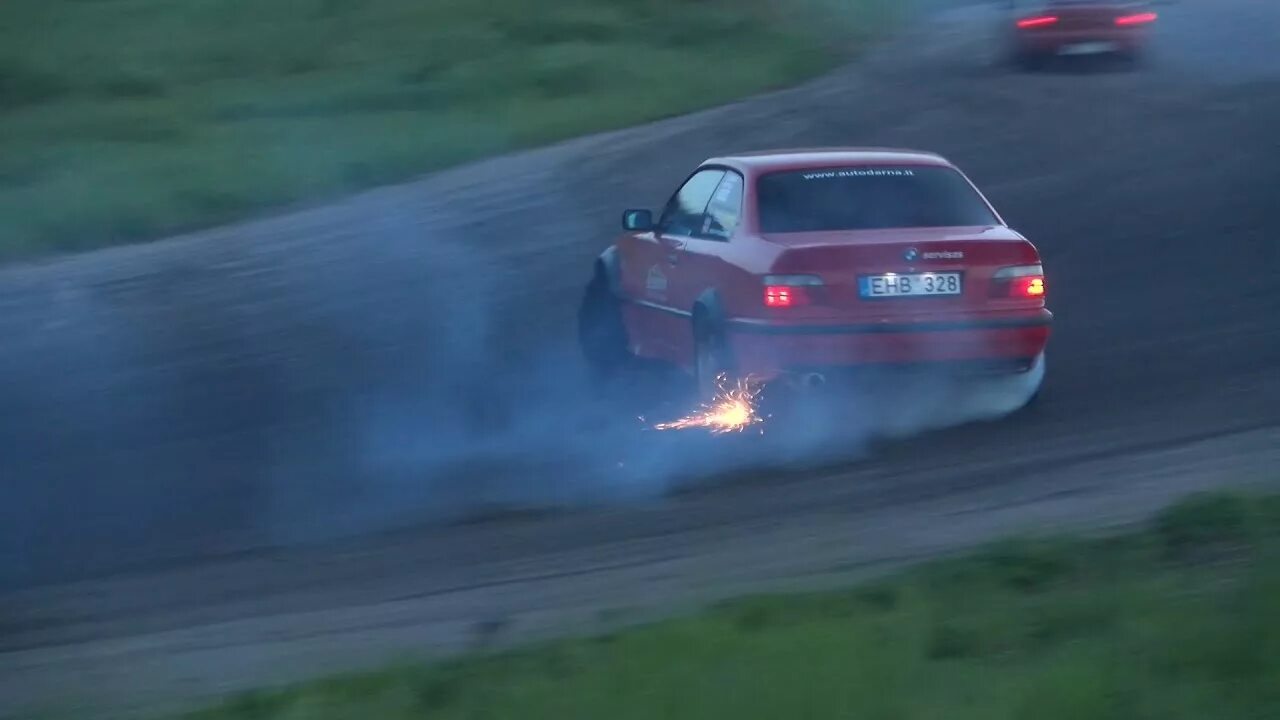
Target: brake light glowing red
point(1025, 282)
point(788, 291)
point(1039, 21)
point(784, 296)
point(1136, 19)
point(1027, 287)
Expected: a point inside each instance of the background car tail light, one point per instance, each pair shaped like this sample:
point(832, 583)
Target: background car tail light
point(1019, 281)
point(1136, 19)
point(1037, 21)
point(785, 291)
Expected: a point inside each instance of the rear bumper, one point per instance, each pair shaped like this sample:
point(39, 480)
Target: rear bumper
point(1126, 40)
point(1008, 343)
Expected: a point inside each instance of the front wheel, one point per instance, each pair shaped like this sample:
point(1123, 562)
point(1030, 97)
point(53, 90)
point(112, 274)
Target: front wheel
point(602, 335)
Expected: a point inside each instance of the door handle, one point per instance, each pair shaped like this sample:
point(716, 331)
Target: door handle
point(673, 250)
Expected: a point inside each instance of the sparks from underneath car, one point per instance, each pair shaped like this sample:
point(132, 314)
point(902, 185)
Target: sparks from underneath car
point(733, 409)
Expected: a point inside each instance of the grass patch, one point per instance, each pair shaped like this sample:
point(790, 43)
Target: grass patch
point(1130, 627)
point(123, 120)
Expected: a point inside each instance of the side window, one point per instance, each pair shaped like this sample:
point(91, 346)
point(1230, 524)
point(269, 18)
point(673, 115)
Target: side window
point(685, 212)
point(725, 209)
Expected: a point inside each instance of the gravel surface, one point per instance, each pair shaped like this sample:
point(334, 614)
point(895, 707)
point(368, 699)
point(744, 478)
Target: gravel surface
point(191, 427)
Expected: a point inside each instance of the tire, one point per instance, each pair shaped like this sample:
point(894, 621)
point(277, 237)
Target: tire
point(602, 335)
point(1037, 372)
point(1012, 395)
point(1130, 60)
point(711, 357)
point(1029, 61)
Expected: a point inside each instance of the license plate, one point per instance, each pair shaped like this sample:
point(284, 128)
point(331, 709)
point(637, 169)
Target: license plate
point(1088, 48)
point(910, 285)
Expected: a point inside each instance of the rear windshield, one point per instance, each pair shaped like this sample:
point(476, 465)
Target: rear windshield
point(868, 198)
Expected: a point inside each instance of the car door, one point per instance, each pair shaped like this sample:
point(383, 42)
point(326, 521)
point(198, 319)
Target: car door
point(684, 221)
point(668, 278)
point(702, 256)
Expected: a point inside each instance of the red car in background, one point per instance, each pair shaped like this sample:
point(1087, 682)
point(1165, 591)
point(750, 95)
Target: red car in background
point(801, 264)
point(1039, 30)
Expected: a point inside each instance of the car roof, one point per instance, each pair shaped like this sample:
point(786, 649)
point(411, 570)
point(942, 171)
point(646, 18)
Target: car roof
point(760, 161)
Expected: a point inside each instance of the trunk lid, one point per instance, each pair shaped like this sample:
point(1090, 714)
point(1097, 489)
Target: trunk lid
point(1083, 17)
point(850, 260)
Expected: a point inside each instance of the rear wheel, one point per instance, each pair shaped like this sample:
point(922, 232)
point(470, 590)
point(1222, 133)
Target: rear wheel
point(993, 397)
point(1029, 61)
point(711, 357)
point(1130, 59)
point(1034, 384)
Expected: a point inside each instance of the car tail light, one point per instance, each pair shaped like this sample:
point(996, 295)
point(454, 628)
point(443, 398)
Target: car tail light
point(1031, 287)
point(781, 296)
point(1136, 19)
point(1019, 281)
point(1037, 21)
point(787, 291)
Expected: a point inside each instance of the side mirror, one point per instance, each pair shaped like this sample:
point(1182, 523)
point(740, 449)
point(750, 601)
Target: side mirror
point(637, 220)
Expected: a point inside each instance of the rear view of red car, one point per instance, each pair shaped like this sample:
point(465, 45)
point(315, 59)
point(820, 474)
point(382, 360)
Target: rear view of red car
point(801, 264)
point(1040, 30)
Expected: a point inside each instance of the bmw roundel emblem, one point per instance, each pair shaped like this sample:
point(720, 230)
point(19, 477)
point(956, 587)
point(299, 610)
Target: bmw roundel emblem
point(911, 254)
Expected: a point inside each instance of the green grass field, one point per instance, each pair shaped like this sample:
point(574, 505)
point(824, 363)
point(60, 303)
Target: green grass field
point(123, 120)
point(1179, 621)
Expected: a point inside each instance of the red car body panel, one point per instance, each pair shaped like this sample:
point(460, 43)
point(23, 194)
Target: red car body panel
point(663, 279)
point(1053, 28)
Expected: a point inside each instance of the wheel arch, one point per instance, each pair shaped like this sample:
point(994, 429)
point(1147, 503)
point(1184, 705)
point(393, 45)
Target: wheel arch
point(608, 266)
point(709, 309)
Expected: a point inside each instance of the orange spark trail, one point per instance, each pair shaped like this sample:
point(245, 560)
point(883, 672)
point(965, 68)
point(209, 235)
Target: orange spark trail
point(732, 410)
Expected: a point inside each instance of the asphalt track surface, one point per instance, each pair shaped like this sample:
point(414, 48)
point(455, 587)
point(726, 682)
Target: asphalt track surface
point(294, 445)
